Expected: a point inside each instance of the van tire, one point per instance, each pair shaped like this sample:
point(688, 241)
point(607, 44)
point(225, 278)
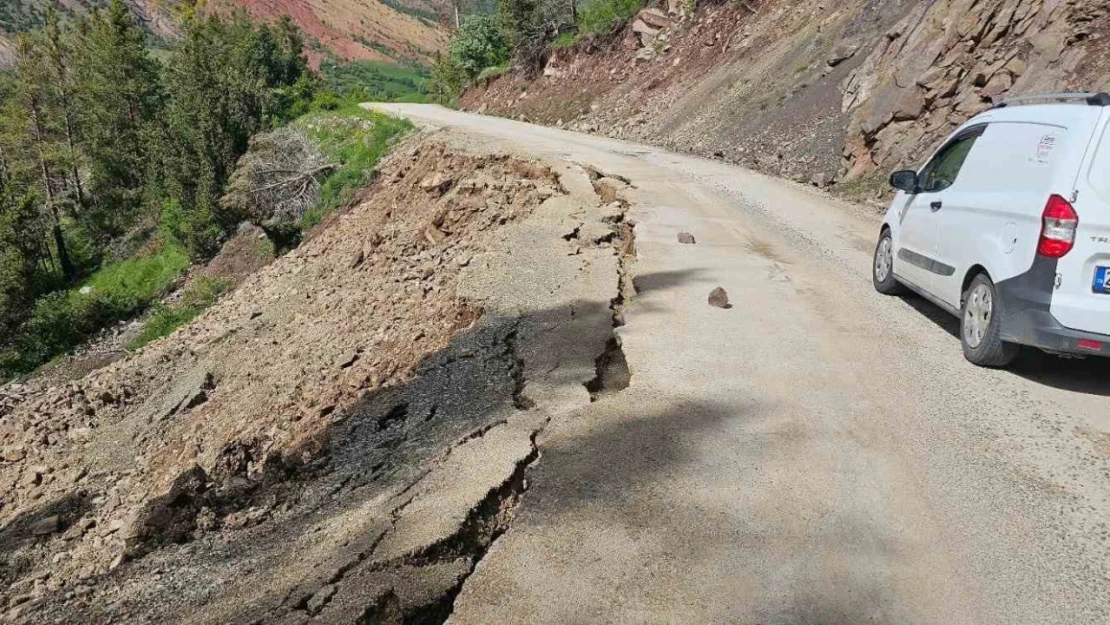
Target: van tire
point(885, 282)
point(981, 326)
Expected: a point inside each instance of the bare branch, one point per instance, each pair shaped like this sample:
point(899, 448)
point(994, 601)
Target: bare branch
point(278, 178)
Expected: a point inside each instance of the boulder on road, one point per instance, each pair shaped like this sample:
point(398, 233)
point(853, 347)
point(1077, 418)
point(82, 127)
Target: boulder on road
point(686, 238)
point(719, 298)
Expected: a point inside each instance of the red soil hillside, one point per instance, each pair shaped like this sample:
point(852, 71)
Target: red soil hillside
point(350, 29)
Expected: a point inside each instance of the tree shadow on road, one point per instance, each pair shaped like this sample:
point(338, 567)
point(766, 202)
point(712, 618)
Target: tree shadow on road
point(274, 540)
point(637, 515)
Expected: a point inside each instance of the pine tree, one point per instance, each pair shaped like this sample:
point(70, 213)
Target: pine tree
point(225, 83)
point(60, 62)
point(291, 57)
point(33, 94)
point(119, 99)
point(17, 263)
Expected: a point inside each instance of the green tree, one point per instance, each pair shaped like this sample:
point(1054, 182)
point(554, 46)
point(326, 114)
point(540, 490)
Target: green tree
point(17, 265)
point(60, 60)
point(447, 81)
point(33, 129)
point(119, 102)
point(227, 80)
point(529, 26)
point(478, 44)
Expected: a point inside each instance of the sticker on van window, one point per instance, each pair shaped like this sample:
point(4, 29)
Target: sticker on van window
point(1045, 147)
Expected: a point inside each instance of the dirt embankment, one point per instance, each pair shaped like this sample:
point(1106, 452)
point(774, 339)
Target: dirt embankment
point(343, 436)
point(819, 92)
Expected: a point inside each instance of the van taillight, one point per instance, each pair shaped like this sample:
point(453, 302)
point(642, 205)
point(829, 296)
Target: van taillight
point(1060, 222)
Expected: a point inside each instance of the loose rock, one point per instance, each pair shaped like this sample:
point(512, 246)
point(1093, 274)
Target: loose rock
point(719, 298)
point(49, 525)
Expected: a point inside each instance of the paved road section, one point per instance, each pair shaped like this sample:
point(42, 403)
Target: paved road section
point(815, 454)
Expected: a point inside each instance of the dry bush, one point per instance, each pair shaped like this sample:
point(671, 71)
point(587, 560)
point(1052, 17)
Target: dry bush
point(278, 179)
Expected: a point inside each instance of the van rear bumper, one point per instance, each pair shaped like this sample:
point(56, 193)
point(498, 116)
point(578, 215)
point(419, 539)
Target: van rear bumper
point(1026, 302)
point(1040, 329)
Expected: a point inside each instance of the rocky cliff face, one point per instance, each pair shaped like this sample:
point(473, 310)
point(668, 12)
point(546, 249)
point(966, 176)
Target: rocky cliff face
point(820, 92)
point(948, 60)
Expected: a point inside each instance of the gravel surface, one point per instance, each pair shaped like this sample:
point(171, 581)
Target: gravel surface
point(816, 453)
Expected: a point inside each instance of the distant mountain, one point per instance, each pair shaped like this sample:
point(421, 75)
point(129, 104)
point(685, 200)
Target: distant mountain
point(400, 31)
point(394, 30)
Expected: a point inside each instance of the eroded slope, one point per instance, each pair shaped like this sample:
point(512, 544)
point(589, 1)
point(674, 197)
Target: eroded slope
point(343, 436)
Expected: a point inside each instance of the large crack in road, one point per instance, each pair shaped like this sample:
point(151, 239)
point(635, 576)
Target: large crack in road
point(491, 517)
point(556, 350)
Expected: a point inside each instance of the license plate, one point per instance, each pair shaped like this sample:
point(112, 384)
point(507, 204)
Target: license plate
point(1102, 280)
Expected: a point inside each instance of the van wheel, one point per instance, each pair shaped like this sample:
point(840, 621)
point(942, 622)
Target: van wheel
point(883, 268)
point(980, 326)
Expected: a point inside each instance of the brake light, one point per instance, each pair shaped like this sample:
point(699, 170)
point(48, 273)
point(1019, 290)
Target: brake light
point(1059, 224)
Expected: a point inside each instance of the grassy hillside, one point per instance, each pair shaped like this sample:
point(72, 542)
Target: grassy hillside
point(376, 82)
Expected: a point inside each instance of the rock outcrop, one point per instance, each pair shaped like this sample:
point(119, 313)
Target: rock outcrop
point(948, 60)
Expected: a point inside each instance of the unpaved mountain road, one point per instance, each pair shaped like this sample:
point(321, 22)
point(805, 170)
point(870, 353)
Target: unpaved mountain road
point(815, 454)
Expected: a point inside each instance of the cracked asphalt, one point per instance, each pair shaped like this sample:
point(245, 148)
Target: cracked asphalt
point(815, 454)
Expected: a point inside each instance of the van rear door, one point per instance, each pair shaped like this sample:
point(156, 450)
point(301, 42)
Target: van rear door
point(1082, 299)
point(992, 215)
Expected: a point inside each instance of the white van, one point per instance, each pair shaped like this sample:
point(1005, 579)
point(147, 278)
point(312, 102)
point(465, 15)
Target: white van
point(1008, 226)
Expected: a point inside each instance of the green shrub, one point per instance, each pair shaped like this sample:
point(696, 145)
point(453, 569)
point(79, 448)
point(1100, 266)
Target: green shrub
point(492, 72)
point(601, 17)
point(565, 40)
point(196, 230)
point(63, 319)
point(326, 101)
point(163, 320)
point(142, 278)
point(356, 139)
point(478, 44)
point(296, 99)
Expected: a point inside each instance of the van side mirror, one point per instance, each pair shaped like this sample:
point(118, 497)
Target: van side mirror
point(905, 180)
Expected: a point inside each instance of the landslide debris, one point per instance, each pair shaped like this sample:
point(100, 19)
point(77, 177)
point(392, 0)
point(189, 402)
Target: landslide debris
point(343, 437)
